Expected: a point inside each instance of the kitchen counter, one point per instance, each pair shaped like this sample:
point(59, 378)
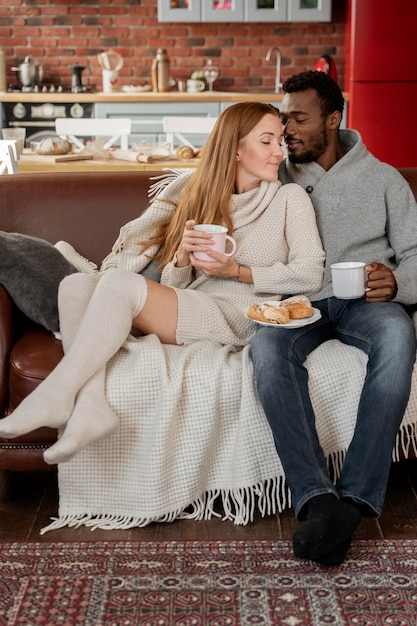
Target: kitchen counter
point(30, 162)
point(143, 96)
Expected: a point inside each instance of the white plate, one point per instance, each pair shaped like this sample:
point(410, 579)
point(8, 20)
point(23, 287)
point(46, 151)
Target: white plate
point(292, 323)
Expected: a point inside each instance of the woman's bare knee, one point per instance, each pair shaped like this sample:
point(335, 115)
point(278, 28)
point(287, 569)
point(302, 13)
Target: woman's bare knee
point(159, 315)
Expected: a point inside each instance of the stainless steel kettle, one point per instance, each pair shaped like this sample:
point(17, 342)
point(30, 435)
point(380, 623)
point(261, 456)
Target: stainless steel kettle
point(29, 72)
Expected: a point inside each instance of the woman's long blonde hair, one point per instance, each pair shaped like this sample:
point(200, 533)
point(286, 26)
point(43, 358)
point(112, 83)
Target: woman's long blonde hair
point(206, 196)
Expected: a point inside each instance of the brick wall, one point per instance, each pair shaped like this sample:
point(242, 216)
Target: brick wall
point(61, 33)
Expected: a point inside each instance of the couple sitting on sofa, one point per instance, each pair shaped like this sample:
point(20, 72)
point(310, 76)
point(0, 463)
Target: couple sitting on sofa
point(279, 252)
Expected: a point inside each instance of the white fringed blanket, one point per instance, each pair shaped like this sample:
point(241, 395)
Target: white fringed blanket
point(192, 430)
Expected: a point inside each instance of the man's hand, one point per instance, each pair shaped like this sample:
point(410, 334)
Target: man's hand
point(381, 283)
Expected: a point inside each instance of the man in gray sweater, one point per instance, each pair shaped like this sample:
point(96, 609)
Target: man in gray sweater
point(365, 212)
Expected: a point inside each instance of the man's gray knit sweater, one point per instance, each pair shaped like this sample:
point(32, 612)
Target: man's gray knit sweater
point(365, 211)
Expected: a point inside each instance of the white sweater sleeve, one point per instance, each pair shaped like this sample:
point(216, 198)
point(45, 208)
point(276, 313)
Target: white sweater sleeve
point(303, 272)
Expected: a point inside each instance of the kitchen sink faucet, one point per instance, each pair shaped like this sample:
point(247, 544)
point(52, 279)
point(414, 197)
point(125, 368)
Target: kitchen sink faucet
point(278, 83)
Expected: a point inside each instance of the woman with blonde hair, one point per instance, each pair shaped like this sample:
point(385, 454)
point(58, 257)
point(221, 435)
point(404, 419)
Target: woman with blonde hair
point(278, 253)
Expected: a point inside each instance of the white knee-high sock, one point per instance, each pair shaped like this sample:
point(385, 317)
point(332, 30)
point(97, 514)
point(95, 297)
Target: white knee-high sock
point(74, 295)
point(117, 299)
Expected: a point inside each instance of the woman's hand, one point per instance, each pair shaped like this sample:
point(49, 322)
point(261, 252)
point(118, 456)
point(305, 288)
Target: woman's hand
point(222, 266)
point(192, 241)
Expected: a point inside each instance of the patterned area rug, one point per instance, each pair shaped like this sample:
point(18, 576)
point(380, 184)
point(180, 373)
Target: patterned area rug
point(198, 583)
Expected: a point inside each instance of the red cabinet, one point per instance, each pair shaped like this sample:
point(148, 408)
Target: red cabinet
point(382, 77)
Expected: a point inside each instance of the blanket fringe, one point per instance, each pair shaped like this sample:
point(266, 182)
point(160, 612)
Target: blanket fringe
point(335, 461)
point(406, 437)
point(239, 505)
point(163, 180)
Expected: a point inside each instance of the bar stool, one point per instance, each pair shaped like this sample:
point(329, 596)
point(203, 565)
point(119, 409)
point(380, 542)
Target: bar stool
point(115, 128)
point(8, 157)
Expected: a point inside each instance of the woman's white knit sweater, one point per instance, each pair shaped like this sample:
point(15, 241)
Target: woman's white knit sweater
point(276, 235)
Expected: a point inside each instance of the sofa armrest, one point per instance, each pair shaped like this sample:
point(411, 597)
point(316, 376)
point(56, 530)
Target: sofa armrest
point(7, 335)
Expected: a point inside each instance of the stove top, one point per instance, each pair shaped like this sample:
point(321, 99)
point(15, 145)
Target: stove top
point(51, 88)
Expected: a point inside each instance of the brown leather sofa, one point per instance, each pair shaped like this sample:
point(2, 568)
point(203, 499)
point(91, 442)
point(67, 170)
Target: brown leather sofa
point(86, 210)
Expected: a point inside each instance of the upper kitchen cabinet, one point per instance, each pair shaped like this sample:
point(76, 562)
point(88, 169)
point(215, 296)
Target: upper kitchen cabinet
point(221, 11)
point(244, 10)
point(179, 10)
point(266, 10)
point(309, 10)
point(200, 10)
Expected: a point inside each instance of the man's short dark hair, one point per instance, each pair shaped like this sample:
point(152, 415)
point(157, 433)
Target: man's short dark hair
point(328, 90)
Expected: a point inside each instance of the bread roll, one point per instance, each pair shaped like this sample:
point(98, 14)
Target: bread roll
point(299, 307)
point(255, 313)
point(276, 314)
point(185, 152)
point(268, 313)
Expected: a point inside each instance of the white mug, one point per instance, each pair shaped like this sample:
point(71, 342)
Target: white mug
point(349, 279)
point(110, 78)
point(194, 85)
point(219, 236)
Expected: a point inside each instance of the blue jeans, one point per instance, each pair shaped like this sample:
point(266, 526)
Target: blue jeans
point(385, 332)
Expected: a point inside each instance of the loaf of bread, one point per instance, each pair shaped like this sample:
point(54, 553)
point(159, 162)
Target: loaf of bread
point(185, 152)
point(54, 145)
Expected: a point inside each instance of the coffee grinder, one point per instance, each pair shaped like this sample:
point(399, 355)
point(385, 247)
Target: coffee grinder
point(76, 78)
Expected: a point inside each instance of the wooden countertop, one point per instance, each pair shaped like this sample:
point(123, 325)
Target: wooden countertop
point(30, 162)
point(138, 96)
point(143, 96)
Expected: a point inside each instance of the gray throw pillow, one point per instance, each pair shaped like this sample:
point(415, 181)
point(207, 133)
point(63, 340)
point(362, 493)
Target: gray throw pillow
point(152, 271)
point(30, 271)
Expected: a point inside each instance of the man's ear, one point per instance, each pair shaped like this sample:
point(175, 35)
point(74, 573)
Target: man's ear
point(334, 120)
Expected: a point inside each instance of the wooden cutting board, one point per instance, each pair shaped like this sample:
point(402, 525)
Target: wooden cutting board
point(73, 157)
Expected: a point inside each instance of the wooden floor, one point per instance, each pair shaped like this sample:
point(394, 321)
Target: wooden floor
point(29, 500)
